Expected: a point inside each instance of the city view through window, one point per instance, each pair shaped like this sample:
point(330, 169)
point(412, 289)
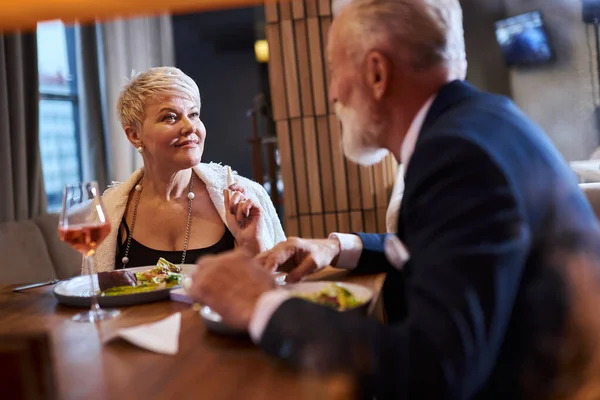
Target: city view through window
point(58, 114)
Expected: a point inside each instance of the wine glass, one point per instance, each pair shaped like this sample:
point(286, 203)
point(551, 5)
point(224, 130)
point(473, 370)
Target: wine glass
point(83, 224)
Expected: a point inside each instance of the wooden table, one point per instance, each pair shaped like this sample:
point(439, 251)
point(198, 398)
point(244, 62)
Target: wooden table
point(207, 366)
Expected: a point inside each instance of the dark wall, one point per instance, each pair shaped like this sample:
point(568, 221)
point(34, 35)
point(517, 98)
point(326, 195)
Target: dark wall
point(486, 67)
point(561, 97)
point(217, 50)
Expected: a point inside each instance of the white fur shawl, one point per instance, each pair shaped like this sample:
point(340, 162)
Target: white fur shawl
point(215, 177)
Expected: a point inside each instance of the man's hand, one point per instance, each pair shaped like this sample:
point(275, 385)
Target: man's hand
point(230, 284)
point(302, 256)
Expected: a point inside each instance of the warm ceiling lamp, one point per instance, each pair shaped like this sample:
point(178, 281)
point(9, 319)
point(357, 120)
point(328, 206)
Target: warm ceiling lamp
point(261, 51)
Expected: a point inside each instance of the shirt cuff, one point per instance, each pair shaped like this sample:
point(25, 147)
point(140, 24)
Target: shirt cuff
point(350, 250)
point(266, 305)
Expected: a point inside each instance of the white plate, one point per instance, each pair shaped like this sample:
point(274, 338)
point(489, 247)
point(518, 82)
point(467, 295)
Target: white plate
point(76, 291)
point(214, 322)
point(361, 293)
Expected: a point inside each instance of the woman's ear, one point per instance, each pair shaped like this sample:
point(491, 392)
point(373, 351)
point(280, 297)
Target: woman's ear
point(133, 136)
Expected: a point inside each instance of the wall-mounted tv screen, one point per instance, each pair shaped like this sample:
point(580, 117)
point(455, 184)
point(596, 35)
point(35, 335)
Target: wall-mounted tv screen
point(523, 39)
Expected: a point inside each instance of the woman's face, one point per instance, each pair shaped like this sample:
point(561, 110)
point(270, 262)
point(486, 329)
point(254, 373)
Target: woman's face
point(172, 133)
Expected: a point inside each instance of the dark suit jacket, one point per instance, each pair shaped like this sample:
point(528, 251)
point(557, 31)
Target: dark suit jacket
point(487, 199)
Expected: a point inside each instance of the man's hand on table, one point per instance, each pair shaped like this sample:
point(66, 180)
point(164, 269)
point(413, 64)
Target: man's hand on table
point(231, 284)
point(301, 257)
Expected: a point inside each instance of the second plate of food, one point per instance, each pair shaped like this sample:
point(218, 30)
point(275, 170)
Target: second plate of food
point(341, 296)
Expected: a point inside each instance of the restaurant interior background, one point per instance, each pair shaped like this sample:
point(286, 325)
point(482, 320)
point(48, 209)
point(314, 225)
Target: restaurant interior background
point(81, 70)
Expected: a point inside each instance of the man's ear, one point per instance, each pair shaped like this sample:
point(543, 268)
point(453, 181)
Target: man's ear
point(377, 70)
point(132, 136)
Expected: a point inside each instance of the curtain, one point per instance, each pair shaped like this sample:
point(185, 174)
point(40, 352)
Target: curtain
point(92, 108)
point(130, 46)
point(23, 195)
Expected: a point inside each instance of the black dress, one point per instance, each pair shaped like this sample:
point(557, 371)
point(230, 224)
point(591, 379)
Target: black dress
point(140, 255)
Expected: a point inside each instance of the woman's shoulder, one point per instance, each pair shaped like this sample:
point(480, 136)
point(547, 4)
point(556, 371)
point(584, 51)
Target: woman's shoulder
point(111, 189)
point(116, 190)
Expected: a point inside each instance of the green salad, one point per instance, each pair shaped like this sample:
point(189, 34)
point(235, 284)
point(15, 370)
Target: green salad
point(334, 296)
point(116, 283)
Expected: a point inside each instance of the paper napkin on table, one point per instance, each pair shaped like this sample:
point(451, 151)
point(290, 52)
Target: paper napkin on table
point(160, 337)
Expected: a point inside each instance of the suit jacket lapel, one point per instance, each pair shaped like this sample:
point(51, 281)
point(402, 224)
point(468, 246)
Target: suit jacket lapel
point(450, 95)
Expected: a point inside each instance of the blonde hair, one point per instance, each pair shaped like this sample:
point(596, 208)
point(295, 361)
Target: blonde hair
point(150, 85)
point(420, 33)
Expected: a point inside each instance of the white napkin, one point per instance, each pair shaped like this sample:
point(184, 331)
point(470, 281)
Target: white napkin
point(160, 337)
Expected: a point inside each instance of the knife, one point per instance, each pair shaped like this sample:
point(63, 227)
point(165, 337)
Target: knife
point(35, 285)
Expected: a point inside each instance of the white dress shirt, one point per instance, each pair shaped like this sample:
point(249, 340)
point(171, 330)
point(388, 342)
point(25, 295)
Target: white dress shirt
point(351, 245)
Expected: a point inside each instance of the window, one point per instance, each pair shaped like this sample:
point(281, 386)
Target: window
point(58, 114)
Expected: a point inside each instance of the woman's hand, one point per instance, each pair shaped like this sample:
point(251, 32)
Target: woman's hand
point(243, 218)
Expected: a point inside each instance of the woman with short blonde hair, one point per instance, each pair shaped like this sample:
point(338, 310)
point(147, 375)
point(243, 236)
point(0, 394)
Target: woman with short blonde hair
point(177, 207)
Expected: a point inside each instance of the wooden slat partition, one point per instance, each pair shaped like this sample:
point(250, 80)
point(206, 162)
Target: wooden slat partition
point(300, 164)
point(291, 226)
point(298, 9)
point(312, 164)
point(325, 164)
point(381, 222)
point(287, 168)
point(343, 220)
point(323, 192)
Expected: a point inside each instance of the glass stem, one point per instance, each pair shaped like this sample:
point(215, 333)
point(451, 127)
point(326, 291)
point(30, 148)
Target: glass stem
point(90, 271)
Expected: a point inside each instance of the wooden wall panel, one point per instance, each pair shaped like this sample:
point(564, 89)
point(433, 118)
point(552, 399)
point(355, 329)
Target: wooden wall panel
point(316, 66)
point(318, 226)
point(306, 93)
point(276, 75)
point(331, 224)
point(325, 166)
point(291, 226)
point(290, 69)
point(298, 9)
point(325, 25)
point(380, 176)
point(353, 181)
point(370, 221)
point(305, 226)
point(324, 8)
point(323, 191)
point(271, 11)
point(343, 219)
point(312, 166)
point(367, 188)
point(299, 162)
point(287, 168)
point(381, 220)
point(339, 165)
point(311, 8)
point(285, 10)
point(356, 221)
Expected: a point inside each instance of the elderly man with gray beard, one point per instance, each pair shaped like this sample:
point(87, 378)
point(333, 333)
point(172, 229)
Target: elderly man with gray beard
point(487, 201)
